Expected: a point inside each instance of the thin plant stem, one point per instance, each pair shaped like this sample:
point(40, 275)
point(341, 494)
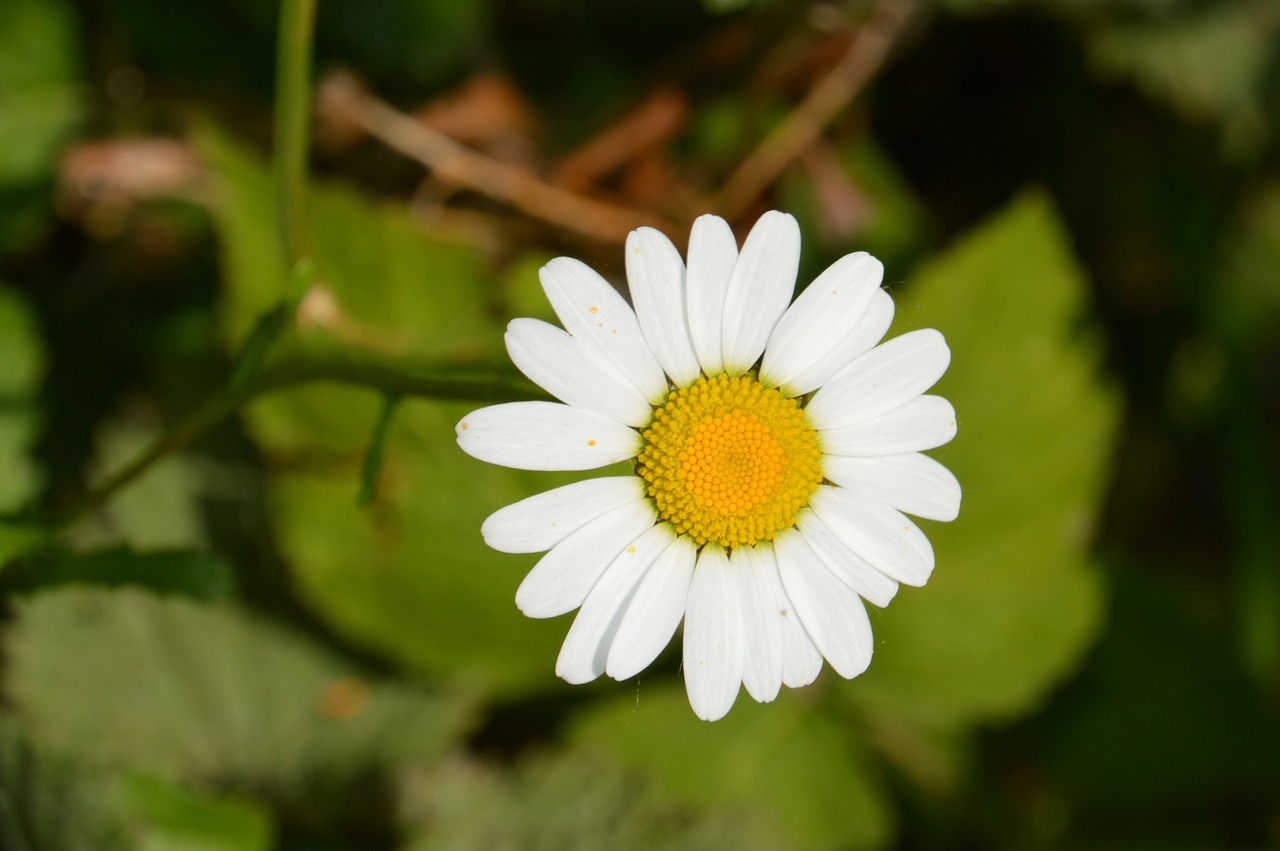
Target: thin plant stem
point(293, 125)
point(475, 382)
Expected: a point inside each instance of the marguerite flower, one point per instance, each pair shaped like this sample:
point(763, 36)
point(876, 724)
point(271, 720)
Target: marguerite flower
point(775, 448)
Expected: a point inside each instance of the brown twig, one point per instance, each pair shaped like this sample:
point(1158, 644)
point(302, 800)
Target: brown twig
point(342, 95)
point(865, 56)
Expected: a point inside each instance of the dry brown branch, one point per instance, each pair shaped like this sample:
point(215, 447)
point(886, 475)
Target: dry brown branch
point(342, 96)
point(865, 56)
point(654, 121)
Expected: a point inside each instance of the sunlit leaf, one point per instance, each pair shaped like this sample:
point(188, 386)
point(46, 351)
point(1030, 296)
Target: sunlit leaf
point(40, 106)
point(804, 777)
point(207, 693)
point(175, 819)
point(1014, 599)
point(39, 91)
point(409, 575)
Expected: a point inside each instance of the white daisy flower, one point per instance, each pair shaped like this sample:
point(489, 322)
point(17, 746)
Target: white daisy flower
point(775, 447)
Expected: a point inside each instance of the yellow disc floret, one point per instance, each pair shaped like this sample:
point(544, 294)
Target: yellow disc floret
point(730, 461)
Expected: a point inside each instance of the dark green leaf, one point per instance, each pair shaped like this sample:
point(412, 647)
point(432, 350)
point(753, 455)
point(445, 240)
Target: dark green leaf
point(564, 802)
point(197, 575)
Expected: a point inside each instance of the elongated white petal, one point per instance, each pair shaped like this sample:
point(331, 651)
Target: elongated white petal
point(831, 612)
point(654, 612)
point(850, 568)
point(925, 422)
point(913, 483)
point(561, 580)
point(594, 313)
point(713, 641)
point(883, 380)
point(656, 276)
point(760, 288)
point(543, 520)
point(545, 436)
point(761, 625)
point(801, 661)
point(881, 535)
point(586, 647)
point(713, 251)
point(815, 337)
point(557, 362)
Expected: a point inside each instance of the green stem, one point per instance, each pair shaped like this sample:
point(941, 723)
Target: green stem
point(293, 125)
point(372, 467)
point(441, 382)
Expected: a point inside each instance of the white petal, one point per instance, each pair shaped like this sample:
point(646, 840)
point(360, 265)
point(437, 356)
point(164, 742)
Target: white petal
point(545, 436)
point(655, 611)
point(561, 580)
point(543, 520)
point(656, 276)
point(883, 380)
point(593, 312)
point(925, 422)
point(881, 535)
point(761, 624)
point(556, 361)
point(586, 647)
point(815, 337)
point(712, 637)
point(850, 568)
point(831, 612)
point(763, 280)
point(913, 483)
point(801, 660)
point(712, 254)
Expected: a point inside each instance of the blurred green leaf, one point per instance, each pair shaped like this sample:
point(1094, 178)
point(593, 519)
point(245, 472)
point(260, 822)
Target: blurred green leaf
point(178, 820)
point(1014, 599)
point(410, 576)
point(48, 802)
point(557, 802)
point(1211, 63)
point(18, 537)
point(428, 42)
point(197, 575)
point(40, 106)
point(21, 370)
point(208, 694)
point(385, 284)
point(1247, 309)
point(39, 86)
point(800, 775)
point(1158, 723)
point(161, 509)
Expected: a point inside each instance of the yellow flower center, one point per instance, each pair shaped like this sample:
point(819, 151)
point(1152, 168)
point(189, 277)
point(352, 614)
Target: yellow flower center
point(729, 461)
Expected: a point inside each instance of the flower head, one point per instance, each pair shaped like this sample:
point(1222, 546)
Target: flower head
point(775, 445)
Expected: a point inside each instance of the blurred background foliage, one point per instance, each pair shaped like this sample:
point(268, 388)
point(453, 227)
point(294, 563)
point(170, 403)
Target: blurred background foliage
point(287, 633)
